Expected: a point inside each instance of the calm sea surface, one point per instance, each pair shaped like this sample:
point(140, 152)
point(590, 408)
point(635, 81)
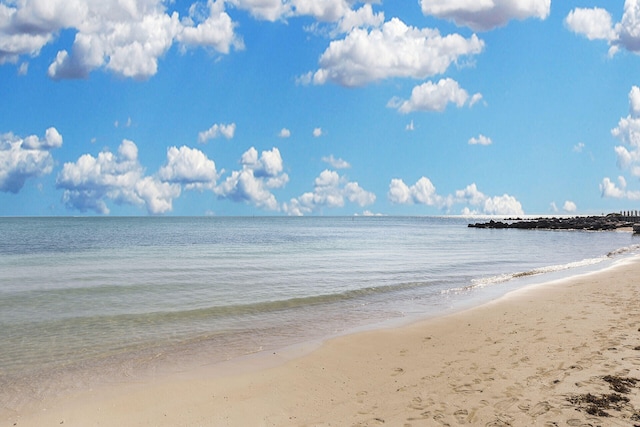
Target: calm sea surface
point(89, 298)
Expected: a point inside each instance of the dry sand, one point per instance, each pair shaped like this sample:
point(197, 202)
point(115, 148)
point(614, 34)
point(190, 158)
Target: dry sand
point(540, 356)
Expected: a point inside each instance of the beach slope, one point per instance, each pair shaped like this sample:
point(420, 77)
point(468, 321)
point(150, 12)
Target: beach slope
point(562, 353)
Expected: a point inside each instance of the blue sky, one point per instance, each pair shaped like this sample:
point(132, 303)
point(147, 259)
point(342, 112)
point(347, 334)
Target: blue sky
point(319, 107)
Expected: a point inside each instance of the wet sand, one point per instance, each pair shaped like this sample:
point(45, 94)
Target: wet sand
point(565, 353)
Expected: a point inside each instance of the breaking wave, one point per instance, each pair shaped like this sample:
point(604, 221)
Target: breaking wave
point(502, 278)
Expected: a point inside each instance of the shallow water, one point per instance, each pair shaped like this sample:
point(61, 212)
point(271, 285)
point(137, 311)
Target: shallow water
point(118, 295)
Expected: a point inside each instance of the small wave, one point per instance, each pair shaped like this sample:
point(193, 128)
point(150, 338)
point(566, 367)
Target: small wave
point(623, 251)
point(502, 278)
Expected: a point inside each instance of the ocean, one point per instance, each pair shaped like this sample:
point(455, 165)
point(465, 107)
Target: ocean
point(90, 300)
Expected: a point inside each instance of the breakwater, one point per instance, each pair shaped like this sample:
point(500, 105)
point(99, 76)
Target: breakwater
point(613, 221)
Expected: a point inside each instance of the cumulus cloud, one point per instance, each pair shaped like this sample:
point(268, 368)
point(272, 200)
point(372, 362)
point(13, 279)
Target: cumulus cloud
point(484, 15)
point(480, 140)
point(359, 18)
point(24, 158)
point(336, 163)
point(254, 182)
point(91, 181)
point(431, 96)
point(215, 30)
point(609, 188)
point(189, 167)
point(330, 191)
point(597, 24)
point(317, 132)
point(628, 132)
point(393, 50)
point(226, 130)
point(125, 37)
point(423, 192)
point(339, 12)
point(270, 10)
point(501, 205)
point(628, 153)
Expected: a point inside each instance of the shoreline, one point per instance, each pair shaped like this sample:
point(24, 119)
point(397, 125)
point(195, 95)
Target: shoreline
point(517, 360)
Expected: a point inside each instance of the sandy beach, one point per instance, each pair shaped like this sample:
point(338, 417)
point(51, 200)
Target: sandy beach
point(565, 353)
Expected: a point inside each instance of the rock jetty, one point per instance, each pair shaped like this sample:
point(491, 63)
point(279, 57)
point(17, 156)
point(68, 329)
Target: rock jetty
point(592, 223)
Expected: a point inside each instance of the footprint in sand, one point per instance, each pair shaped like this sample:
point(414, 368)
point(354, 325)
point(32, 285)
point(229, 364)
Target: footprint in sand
point(461, 416)
point(503, 405)
point(441, 419)
point(539, 409)
point(502, 421)
point(397, 371)
point(574, 422)
point(417, 404)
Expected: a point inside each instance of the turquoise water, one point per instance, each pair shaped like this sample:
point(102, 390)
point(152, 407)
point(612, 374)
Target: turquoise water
point(116, 295)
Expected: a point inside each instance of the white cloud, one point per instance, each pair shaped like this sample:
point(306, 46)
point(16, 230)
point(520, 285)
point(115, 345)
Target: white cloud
point(317, 132)
point(125, 37)
point(432, 97)
point(24, 158)
point(609, 188)
point(424, 192)
point(597, 24)
point(322, 10)
point(628, 153)
point(23, 69)
point(284, 133)
point(270, 10)
point(502, 205)
point(399, 192)
point(410, 126)
point(330, 191)
point(90, 181)
point(628, 132)
point(578, 147)
point(126, 124)
point(360, 18)
point(189, 167)
point(480, 140)
point(253, 183)
point(393, 50)
point(471, 195)
point(215, 31)
point(26, 27)
point(336, 163)
point(226, 130)
point(338, 12)
point(569, 206)
point(157, 196)
point(634, 101)
point(475, 98)
point(483, 15)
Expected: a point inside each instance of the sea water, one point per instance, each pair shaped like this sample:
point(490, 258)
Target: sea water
point(90, 299)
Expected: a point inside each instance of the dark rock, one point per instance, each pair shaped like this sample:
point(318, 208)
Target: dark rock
point(591, 223)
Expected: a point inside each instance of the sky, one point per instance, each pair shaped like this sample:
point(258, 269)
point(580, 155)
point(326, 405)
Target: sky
point(319, 107)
